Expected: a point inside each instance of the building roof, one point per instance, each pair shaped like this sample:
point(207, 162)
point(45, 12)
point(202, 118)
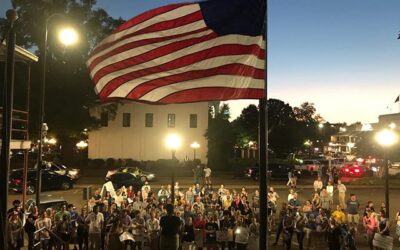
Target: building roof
point(21, 54)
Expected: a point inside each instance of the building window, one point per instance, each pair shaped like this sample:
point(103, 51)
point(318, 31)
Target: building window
point(171, 120)
point(193, 121)
point(149, 120)
point(126, 120)
point(104, 119)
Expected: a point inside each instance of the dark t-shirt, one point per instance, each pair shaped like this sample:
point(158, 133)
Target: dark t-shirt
point(170, 225)
point(211, 237)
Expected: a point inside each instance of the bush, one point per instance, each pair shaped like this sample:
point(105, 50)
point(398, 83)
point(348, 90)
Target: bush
point(98, 163)
point(110, 163)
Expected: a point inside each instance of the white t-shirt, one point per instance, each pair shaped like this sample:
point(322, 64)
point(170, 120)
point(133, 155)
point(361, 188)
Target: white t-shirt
point(207, 172)
point(95, 222)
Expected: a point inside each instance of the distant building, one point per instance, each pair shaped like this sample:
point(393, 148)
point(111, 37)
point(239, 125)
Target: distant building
point(139, 131)
point(389, 121)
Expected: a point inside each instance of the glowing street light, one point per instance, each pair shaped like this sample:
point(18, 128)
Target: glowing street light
point(52, 141)
point(195, 145)
point(82, 145)
point(386, 138)
point(173, 142)
point(392, 125)
point(68, 36)
point(320, 125)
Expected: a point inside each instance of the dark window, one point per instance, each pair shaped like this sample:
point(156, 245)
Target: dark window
point(193, 121)
point(171, 120)
point(126, 120)
point(149, 120)
point(104, 119)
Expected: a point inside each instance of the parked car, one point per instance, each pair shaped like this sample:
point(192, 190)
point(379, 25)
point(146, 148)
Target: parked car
point(275, 171)
point(137, 172)
point(357, 171)
point(50, 181)
point(73, 173)
point(125, 179)
point(46, 202)
point(310, 166)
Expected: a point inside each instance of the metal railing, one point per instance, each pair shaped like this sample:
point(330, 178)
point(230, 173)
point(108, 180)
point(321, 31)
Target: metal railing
point(20, 120)
point(51, 233)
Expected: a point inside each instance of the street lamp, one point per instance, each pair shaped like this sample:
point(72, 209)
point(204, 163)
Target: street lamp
point(308, 144)
point(194, 146)
point(386, 138)
point(67, 37)
point(173, 142)
point(82, 145)
point(320, 125)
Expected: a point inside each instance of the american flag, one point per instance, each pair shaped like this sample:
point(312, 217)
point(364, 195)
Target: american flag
point(189, 52)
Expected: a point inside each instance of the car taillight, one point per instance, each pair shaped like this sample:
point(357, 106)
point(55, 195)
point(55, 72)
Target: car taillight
point(346, 170)
point(357, 170)
point(17, 181)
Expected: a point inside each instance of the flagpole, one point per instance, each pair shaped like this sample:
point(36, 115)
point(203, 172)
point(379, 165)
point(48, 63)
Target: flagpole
point(263, 154)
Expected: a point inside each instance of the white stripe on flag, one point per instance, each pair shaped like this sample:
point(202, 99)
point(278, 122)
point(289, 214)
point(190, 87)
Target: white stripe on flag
point(141, 50)
point(214, 81)
point(249, 60)
point(171, 15)
point(169, 32)
point(229, 39)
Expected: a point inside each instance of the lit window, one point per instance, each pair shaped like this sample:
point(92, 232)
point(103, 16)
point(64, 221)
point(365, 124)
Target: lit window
point(171, 120)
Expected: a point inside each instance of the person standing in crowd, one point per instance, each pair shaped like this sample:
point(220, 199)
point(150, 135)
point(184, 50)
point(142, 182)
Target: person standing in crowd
point(44, 236)
point(282, 215)
point(30, 228)
point(384, 224)
point(370, 227)
point(96, 222)
point(170, 228)
point(188, 235)
point(153, 227)
point(254, 230)
point(338, 215)
point(299, 225)
point(83, 230)
point(352, 211)
point(288, 226)
point(207, 175)
point(241, 234)
point(342, 194)
point(318, 185)
point(15, 231)
point(326, 202)
point(197, 172)
point(211, 229)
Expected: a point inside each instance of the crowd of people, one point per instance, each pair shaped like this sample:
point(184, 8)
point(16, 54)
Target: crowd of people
point(319, 221)
point(200, 217)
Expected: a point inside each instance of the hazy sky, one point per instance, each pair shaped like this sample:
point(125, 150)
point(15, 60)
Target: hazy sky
point(342, 55)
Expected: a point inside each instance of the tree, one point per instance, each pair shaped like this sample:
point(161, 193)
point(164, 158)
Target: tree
point(221, 138)
point(69, 90)
point(246, 126)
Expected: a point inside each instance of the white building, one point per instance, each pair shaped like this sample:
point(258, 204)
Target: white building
point(139, 131)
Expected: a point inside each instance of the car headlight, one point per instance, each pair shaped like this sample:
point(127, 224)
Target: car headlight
point(150, 176)
point(73, 172)
point(374, 169)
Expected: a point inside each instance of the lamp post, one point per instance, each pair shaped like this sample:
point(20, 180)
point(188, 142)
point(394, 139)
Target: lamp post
point(194, 146)
point(82, 145)
point(173, 142)
point(68, 37)
point(386, 138)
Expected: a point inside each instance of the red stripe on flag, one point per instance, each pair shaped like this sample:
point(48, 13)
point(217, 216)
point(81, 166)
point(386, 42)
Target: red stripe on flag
point(222, 50)
point(211, 94)
point(165, 25)
point(229, 69)
point(150, 55)
point(148, 15)
point(136, 44)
